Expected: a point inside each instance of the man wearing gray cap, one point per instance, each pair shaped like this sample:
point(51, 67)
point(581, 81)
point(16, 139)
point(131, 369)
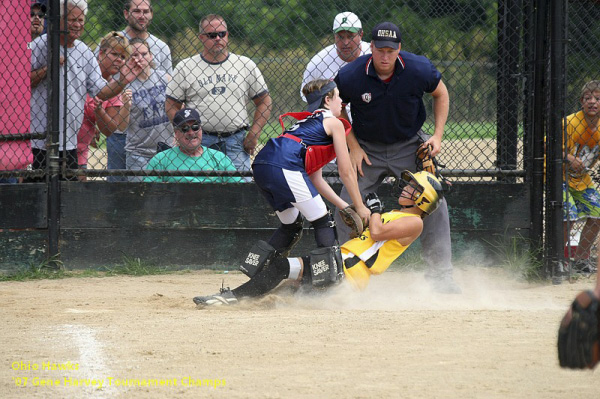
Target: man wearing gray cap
point(348, 33)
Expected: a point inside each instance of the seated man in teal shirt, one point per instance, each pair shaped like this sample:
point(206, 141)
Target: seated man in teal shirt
point(190, 154)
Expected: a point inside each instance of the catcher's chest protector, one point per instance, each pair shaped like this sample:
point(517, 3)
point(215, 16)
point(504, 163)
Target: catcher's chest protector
point(316, 156)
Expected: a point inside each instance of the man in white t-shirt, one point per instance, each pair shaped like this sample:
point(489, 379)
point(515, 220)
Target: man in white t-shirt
point(219, 84)
point(348, 33)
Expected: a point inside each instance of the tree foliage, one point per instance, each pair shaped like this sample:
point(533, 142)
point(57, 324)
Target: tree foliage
point(427, 25)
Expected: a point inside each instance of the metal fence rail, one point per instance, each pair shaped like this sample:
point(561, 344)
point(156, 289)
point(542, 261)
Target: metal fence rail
point(511, 76)
point(467, 41)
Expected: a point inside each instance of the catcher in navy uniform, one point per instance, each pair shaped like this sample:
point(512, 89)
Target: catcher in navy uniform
point(389, 234)
point(288, 170)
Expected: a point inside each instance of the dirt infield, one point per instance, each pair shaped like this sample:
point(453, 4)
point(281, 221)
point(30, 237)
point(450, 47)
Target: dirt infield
point(142, 337)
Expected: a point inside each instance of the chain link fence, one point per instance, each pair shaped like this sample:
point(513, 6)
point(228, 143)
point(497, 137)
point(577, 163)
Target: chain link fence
point(98, 104)
point(114, 138)
point(582, 142)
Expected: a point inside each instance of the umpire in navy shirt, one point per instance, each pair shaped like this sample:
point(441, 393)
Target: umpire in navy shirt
point(386, 91)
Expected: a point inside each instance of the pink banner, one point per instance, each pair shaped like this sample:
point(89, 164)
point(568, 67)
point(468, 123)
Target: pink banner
point(15, 93)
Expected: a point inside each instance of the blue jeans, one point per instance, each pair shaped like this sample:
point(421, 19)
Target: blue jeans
point(115, 146)
point(136, 162)
point(233, 147)
point(9, 180)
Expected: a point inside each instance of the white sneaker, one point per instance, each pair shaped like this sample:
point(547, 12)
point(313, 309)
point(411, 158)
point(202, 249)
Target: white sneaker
point(224, 297)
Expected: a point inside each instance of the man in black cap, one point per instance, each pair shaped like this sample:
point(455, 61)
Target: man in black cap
point(37, 15)
point(190, 154)
point(386, 91)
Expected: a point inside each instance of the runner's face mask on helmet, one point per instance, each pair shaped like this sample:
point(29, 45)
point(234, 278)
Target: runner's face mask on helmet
point(423, 188)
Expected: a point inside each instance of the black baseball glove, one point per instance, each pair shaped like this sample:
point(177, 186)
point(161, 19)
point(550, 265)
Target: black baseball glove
point(579, 333)
point(373, 202)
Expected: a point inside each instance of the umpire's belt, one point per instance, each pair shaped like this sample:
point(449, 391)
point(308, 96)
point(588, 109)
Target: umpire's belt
point(226, 134)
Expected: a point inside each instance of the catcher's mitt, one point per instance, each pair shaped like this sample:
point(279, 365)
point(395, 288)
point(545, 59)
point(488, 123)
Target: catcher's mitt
point(351, 219)
point(579, 334)
point(424, 159)
point(428, 163)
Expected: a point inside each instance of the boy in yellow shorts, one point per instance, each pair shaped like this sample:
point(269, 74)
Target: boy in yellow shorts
point(580, 195)
point(389, 234)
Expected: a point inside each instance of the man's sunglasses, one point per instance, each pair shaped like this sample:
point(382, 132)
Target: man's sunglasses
point(213, 35)
point(37, 14)
point(186, 128)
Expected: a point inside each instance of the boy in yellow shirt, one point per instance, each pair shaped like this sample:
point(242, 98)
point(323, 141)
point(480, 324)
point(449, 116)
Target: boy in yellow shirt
point(583, 199)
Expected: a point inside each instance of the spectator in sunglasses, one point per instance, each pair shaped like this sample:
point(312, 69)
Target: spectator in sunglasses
point(37, 15)
point(190, 154)
point(219, 84)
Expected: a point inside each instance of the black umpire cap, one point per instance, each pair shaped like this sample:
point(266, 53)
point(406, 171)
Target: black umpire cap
point(386, 34)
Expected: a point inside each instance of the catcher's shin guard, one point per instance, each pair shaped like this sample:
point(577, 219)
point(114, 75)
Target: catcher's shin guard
point(357, 273)
point(259, 255)
point(325, 232)
point(271, 274)
point(287, 236)
point(325, 266)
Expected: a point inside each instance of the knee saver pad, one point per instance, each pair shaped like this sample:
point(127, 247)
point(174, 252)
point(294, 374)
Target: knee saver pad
point(260, 255)
point(326, 266)
point(358, 275)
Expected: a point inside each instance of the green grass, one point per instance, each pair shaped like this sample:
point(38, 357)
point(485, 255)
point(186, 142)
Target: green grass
point(469, 130)
point(270, 130)
point(135, 267)
point(102, 142)
point(51, 268)
point(518, 257)
point(453, 130)
point(54, 269)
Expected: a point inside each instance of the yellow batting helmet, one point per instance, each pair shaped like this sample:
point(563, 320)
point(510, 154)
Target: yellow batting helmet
point(427, 191)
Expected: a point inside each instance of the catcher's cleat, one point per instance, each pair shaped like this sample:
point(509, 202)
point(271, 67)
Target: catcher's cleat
point(224, 297)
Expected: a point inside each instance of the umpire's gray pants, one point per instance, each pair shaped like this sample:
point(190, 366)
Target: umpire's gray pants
point(392, 159)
